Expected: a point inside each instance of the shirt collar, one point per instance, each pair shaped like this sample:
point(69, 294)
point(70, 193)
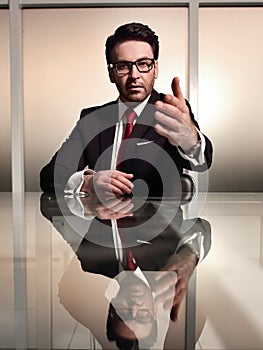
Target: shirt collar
point(138, 109)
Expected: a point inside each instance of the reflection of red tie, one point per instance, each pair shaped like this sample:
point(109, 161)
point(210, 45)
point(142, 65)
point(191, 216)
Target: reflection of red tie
point(130, 264)
point(130, 116)
point(128, 258)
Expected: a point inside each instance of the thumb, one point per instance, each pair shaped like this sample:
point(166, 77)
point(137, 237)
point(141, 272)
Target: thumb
point(176, 88)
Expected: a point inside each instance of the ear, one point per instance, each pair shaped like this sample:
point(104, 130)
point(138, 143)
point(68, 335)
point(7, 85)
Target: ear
point(156, 70)
point(111, 75)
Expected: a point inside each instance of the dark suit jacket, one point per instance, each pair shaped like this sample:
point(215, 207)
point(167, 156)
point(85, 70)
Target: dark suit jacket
point(151, 256)
point(150, 223)
point(150, 157)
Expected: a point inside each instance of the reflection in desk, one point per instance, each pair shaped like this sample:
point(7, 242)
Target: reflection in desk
point(70, 282)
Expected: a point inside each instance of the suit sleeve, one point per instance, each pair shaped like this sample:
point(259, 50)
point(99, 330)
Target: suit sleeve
point(69, 158)
point(208, 151)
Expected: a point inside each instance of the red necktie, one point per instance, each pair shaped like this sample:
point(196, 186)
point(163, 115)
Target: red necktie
point(130, 115)
point(130, 264)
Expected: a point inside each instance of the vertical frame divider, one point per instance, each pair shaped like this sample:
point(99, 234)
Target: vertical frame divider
point(193, 35)
point(17, 117)
point(193, 53)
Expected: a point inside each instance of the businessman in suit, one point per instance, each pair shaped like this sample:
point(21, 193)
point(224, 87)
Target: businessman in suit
point(163, 136)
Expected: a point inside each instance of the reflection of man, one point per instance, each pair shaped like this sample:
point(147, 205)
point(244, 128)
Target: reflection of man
point(165, 138)
point(140, 311)
point(132, 318)
point(143, 301)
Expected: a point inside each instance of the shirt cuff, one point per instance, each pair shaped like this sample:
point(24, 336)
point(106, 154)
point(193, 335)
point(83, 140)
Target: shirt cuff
point(195, 243)
point(76, 180)
point(76, 207)
point(199, 157)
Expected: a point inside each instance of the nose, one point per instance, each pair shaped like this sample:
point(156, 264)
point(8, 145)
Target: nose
point(134, 311)
point(134, 73)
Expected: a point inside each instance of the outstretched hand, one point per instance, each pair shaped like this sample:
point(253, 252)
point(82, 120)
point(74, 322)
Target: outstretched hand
point(174, 121)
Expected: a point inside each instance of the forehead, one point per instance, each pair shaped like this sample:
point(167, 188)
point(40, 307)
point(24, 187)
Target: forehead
point(131, 51)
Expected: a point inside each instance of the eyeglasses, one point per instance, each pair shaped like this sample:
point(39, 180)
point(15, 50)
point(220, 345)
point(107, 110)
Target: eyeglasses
point(144, 65)
point(142, 316)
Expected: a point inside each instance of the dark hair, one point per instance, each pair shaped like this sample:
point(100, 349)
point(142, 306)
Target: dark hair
point(132, 31)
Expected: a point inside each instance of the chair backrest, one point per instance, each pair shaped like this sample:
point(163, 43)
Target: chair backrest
point(188, 188)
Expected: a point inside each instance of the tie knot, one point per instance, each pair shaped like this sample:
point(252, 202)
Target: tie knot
point(130, 115)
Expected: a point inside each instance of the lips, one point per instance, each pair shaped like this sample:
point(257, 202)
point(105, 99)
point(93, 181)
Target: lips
point(135, 87)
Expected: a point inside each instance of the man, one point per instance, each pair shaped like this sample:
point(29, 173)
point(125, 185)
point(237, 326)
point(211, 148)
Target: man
point(165, 138)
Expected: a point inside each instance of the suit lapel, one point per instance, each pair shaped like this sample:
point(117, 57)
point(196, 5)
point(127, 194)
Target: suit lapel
point(109, 118)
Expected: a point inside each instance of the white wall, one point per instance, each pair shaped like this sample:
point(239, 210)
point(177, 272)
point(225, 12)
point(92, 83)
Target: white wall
point(65, 71)
point(231, 95)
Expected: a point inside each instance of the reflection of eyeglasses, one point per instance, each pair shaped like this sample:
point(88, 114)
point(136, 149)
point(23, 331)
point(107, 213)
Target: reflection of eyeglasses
point(144, 65)
point(142, 316)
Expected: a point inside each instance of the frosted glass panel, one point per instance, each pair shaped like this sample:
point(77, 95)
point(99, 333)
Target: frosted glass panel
point(231, 95)
point(65, 68)
point(5, 138)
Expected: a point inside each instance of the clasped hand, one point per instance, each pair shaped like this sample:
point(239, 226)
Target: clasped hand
point(108, 182)
point(111, 208)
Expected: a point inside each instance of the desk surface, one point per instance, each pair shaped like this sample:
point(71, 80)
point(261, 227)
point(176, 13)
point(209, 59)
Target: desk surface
point(61, 280)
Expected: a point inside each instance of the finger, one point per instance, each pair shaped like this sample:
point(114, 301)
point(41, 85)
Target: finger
point(111, 201)
point(106, 188)
point(177, 89)
point(168, 277)
point(170, 135)
point(166, 296)
point(128, 176)
point(174, 313)
point(116, 208)
point(109, 189)
point(114, 182)
point(123, 178)
point(124, 205)
point(173, 108)
point(123, 184)
point(167, 121)
point(116, 216)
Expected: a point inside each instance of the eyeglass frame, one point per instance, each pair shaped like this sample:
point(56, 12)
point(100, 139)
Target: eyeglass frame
point(134, 63)
point(126, 315)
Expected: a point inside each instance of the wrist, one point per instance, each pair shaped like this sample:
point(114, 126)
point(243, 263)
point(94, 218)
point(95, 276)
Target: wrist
point(188, 251)
point(194, 151)
point(87, 186)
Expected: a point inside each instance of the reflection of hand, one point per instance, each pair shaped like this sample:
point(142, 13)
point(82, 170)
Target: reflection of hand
point(175, 121)
point(183, 263)
point(108, 182)
point(164, 287)
point(112, 208)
